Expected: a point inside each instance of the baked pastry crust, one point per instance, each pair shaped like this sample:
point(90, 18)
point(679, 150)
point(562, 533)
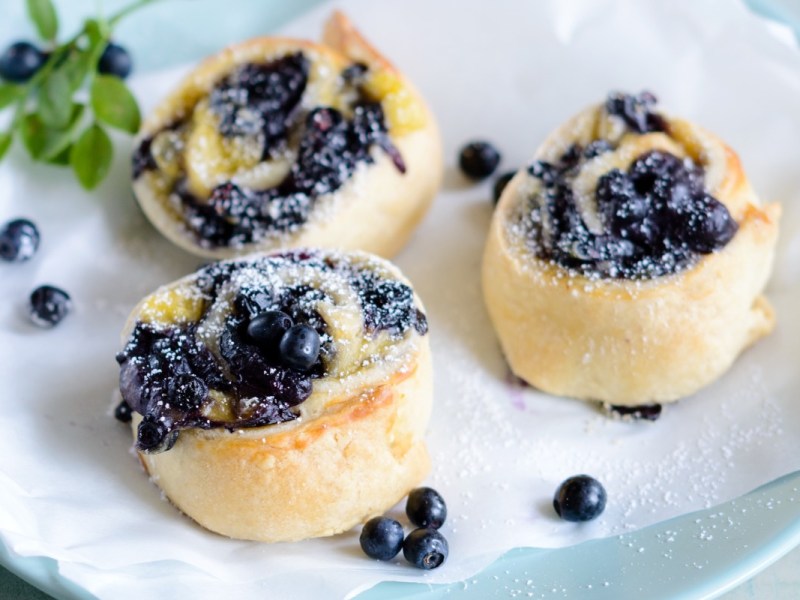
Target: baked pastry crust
point(631, 342)
point(376, 209)
point(354, 450)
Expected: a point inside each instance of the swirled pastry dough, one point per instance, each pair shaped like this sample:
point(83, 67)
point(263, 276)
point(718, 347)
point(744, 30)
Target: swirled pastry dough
point(627, 263)
point(277, 143)
point(248, 444)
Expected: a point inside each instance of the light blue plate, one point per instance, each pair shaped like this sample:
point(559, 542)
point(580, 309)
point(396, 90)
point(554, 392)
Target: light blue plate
point(699, 555)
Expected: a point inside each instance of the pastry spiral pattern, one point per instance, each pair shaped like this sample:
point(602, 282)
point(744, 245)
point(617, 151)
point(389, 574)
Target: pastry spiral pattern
point(625, 264)
point(278, 143)
point(219, 397)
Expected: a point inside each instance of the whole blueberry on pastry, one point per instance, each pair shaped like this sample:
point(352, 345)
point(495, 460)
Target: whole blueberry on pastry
point(281, 396)
point(626, 264)
point(277, 143)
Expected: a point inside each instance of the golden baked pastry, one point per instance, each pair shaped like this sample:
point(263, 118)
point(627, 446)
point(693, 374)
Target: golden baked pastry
point(277, 143)
point(281, 396)
point(626, 264)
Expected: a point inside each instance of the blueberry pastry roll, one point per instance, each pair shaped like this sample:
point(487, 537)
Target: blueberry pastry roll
point(626, 264)
point(278, 143)
point(281, 396)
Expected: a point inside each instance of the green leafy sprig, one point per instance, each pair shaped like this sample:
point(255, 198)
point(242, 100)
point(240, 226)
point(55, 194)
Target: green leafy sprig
point(61, 114)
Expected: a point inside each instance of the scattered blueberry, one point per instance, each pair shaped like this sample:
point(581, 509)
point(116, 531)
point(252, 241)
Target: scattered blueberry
point(299, 347)
point(115, 60)
point(425, 548)
point(123, 412)
point(596, 148)
point(710, 227)
point(426, 508)
point(580, 498)
point(267, 329)
point(153, 436)
point(20, 62)
point(381, 538)
point(500, 184)
point(647, 412)
point(49, 305)
point(478, 160)
point(19, 240)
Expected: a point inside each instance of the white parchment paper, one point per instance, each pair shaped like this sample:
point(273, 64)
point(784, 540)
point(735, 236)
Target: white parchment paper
point(506, 71)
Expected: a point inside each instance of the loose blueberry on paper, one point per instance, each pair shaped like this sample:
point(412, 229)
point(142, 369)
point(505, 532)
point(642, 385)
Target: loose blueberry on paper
point(49, 305)
point(426, 508)
point(479, 159)
point(19, 240)
point(580, 498)
point(381, 538)
point(425, 548)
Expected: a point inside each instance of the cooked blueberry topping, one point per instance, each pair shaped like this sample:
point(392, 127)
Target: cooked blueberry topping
point(49, 305)
point(580, 498)
point(299, 347)
point(270, 346)
point(123, 412)
point(425, 507)
point(389, 305)
point(500, 184)
point(20, 61)
point(636, 111)
point(263, 102)
point(656, 217)
point(259, 99)
point(19, 240)
point(115, 60)
point(267, 329)
point(154, 436)
point(381, 538)
point(478, 160)
point(186, 391)
point(425, 548)
point(648, 412)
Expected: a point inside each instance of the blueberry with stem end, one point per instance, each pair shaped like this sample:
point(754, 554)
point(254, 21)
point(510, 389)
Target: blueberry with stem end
point(478, 160)
point(425, 548)
point(21, 61)
point(381, 538)
point(580, 498)
point(19, 240)
point(299, 347)
point(49, 305)
point(115, 60)
point(426, 508)
point(153, 436)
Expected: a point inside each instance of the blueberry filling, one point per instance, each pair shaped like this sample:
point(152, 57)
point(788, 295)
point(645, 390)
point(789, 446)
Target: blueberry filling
point(271, 347)
point(656, 217)
point(263, 101)
point(636, 111)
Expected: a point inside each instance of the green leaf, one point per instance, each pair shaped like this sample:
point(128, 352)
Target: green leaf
point(76, 67)
point(55, 100)
point(43, 15)
point(10, 93)
point(91, 156)
point(5, 143)
point(114, 104)
point(43, 142)
point(62, 158)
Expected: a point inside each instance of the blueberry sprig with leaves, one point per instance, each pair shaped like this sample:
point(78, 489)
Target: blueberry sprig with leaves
point(63, 98)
